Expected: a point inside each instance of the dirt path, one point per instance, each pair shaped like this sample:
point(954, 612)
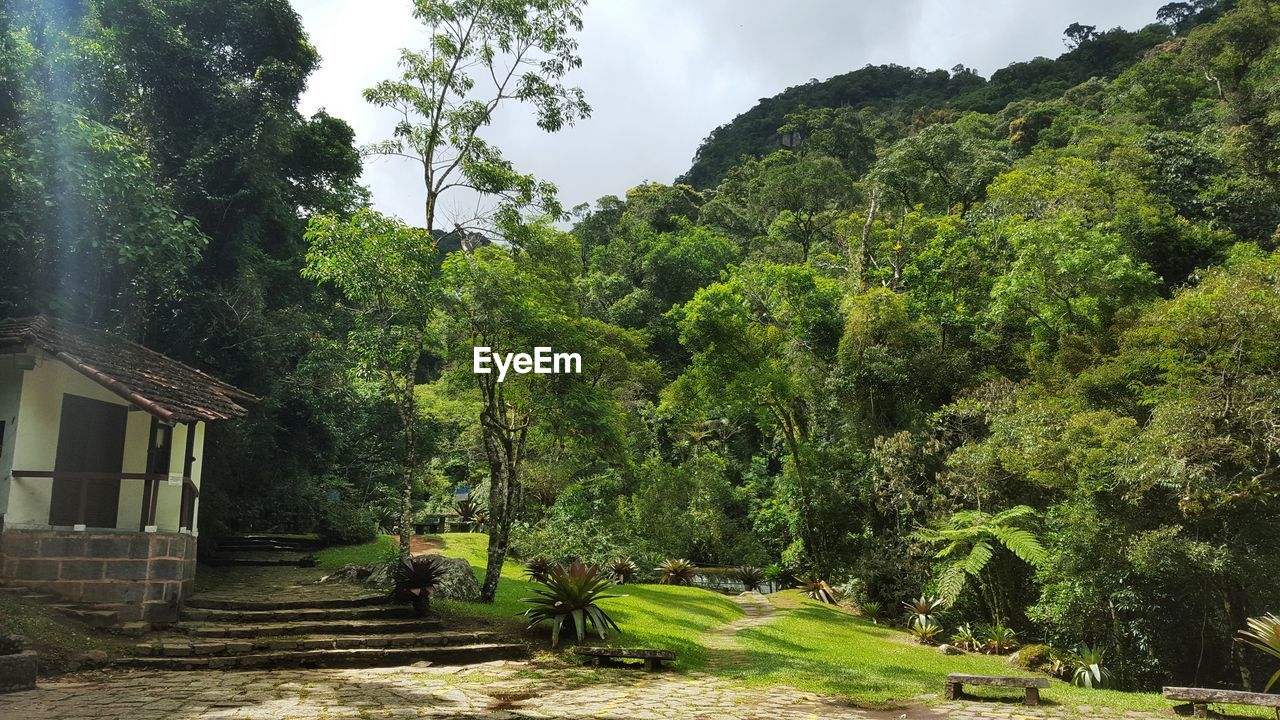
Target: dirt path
point(725, 649)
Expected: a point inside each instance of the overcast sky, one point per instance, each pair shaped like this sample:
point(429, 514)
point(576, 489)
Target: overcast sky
point(661, 74)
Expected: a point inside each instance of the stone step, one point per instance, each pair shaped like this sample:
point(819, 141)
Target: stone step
point(323, 603)
point(325, 627)
point(15, 590)
point(178, 647)
point(348, 657)
point(42, 598)
point(94, 618)
point(218, 561)
point(397, 612)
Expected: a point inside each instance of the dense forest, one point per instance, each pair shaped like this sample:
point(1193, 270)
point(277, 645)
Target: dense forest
point(1012, 342)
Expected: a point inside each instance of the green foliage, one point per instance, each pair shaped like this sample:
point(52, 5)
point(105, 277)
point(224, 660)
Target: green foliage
point(925, 632)
point(348, 523)
point(998, 639)
point(966, 637)
point(539, 569)
point(623, 570)
point(750, 577)
point(569, 598)
point(871, 610)
point(676, 571)
point(416, 578)
point(1263, 634)
point(970, 539)
point(1090, 671)
point(922, 610)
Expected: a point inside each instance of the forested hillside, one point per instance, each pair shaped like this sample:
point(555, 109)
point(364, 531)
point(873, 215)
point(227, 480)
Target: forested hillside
point(1012, 342)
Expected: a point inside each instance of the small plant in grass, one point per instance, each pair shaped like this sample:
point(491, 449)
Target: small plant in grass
point(415, 579)
point(819, 590)
point(922, 609)
point(751, 577)
point(1263, 634)
point(1089, 670)
point(677, 572)
point(998, 639)
point(926, 632)
point(471, 511)
point(568, 598)
point(623, 569)
point(965, 638)
point(539, 569)
point(871, 611)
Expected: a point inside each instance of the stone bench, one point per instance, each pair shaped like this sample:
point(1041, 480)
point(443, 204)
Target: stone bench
point(1201, 697)
point(957, 681)
point(653, 659)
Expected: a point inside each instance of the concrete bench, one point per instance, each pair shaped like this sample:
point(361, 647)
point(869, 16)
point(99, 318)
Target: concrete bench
point(1201, 697)
point(653, 659)
point(957, 681)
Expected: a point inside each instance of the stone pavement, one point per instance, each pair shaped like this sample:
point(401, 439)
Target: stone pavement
point(724, 648)
point(491, 691)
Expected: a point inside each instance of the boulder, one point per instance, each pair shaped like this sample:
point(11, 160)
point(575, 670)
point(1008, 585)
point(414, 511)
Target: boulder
point(950, 650)
point(458, 582)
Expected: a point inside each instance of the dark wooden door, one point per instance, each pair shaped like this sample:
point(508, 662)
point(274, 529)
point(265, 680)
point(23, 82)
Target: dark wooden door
point(90, 440)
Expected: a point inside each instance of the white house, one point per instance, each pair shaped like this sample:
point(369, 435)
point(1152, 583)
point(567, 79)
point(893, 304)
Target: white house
point(101, 452)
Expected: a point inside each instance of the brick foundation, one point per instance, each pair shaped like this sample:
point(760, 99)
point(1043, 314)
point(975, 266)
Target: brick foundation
point(142, 576)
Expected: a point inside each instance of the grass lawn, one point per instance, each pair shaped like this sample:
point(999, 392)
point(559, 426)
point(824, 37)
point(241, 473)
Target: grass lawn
point(655, 616)
point(808, 645)
point(379, 549)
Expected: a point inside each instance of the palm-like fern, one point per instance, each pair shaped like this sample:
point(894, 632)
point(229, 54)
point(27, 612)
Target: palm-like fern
point(971, 538)
point(1263, 634)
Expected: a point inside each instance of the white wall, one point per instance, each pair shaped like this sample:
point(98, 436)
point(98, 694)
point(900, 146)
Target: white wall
point(35, 442)
point(10, 395)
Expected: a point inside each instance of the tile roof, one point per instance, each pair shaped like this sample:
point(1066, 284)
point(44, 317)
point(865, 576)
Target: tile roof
point(160, 385)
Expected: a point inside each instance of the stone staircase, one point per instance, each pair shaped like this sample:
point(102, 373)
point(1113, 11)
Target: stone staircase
point(356, 632)
point(262, 551)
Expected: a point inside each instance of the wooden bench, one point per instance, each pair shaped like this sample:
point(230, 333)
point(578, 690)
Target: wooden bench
point(653, 659)
point(957, 681)
point(1201, 697)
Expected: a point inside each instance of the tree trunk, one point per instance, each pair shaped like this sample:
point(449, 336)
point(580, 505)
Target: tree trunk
point(504, 455)
point(408, 416)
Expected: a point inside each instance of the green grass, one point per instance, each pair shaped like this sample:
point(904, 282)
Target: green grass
point(377, 550)
point(808, 645)
point(654, 616)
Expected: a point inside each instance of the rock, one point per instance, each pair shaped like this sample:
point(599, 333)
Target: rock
point(92, 658)
point(348, 573)
point(458, 581)
point(950, 650)
point(380, 577)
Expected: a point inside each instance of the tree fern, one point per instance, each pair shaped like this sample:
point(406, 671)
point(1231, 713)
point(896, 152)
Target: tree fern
point(971, 537)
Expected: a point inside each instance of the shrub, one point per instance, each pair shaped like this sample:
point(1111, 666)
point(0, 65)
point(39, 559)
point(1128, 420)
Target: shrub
point(539, 569)
point(348, 523)
point(871, 610)
point(998, 639)
point(1089, 671)
point(416, 578)
point(965, 638)
point(568, 597)
point(819, 590)
point(922, 609)
point(676, 572)
point(1263, 634)
point(750, 577)
point(926, 632)
point(623, 570)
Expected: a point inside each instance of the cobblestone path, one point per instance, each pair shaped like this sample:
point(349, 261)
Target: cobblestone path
point(725, 650)
point(489, 691)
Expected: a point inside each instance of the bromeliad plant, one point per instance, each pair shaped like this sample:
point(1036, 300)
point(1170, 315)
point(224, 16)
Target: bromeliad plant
point(539, 569)
point(922, 609)
point(965, 638)
point(677, 572)
point(623, 569)
point(568, 597)
point(1089, 670)
point(871, 611)
point(819, 590)
point(926, 632)
point(471, 511)
point(750, 577)
point(1263, 634)
point(416, 578)
point(998, 639)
